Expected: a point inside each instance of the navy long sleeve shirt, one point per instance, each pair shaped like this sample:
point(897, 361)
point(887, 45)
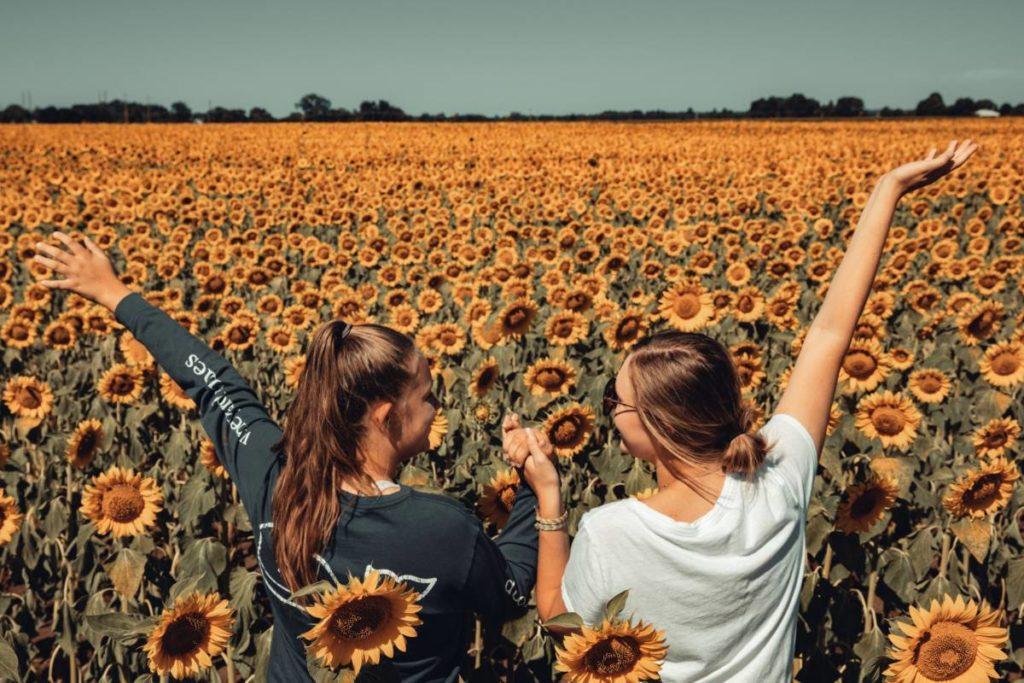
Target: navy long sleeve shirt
point(431, 542)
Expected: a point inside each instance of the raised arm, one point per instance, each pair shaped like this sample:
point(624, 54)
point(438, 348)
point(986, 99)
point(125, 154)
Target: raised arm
point(811, 387)
point(230, 412)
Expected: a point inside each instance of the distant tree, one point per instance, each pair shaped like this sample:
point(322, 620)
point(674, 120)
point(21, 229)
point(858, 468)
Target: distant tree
point(849, 106)
point(180, 112)
point(260, 114)
point(931, 106)
point(15, 114)
point(314, 107)
point(222, 115)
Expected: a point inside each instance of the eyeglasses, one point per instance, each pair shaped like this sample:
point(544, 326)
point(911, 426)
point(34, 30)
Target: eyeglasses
point(611, 398)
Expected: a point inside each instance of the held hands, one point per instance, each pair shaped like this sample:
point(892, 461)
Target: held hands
point(87, 270)
point(916, 174)
point(531, 450)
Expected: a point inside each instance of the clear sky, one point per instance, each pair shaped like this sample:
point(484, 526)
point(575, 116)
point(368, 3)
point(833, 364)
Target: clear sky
point(494, 57)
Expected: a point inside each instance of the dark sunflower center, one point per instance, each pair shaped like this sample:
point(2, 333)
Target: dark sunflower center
point(29, 397)
point(361, 618)
point(946, 651)
point(122, 385)
point(984, 492)
point(551, 378)
point(562, 328)
point(860, 364)
point(613, 656)
point(123, 503)
point(185, 634)
point(888, 420)
point(983, 325)
point(1005, 363)
point(931, 384)
point(996, 439)
point(628, 329)
point(486, 378)
point(866, 503)
point(567, 431)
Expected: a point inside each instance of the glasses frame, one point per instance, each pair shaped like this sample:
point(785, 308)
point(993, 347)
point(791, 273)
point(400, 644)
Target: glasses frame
point(610, 398)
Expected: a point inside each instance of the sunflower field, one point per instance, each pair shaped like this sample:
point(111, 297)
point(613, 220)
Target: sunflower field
point(525, 259)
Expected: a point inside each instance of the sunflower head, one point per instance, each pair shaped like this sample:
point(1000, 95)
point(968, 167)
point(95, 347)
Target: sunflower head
point(983, 491)
point(121, 502)
point(569, 429)
point(614, 651)
point(496, 501)
point(865, 502)
point(951, 640)
point(363, 620)
point(189, 634)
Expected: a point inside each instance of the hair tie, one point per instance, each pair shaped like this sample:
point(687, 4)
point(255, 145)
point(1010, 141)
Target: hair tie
point(346, 329)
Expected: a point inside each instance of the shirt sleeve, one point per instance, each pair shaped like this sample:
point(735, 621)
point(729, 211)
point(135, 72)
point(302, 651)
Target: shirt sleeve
point(583, 584)
point(794, 456)
point(502, 572)
point(234, 418)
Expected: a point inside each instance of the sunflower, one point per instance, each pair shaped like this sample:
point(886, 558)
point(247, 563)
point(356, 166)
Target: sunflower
point(615, 651)
point(569, 429)
point(1003, 363)
point(496, 500)
point(484, 377)
point(929, 385)
point(121, 383)
point(994, 437)
point(516, 318)
point(950, 641)
point(890, 417)
point(449, 339)
point(626, 328)
point(18, 333)
point(404, 318)
point(982, 491)
point(10, 518)
point(864, 503)
point(438, 429)
point(687, 306)
point(208, 456)
point(565, 328)
point(864, 367)
point(550, 376)
point(121, 502)
point(172, 392)
point(85, 442)
point(134, 351)
point(363, 620)
point(901, 358)
point(293, 368)
point(980, 322)
point(28, 398)
point(189, 635)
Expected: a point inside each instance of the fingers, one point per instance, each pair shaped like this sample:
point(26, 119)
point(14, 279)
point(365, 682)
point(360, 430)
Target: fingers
point(56, 284)
point(52, 251)
point(50, 263)
point(931, 153)
point(534, 442)
point(93, 247)
point(74, 246)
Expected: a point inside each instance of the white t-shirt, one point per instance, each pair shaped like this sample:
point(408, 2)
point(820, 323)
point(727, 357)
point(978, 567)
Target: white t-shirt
point(725, 587)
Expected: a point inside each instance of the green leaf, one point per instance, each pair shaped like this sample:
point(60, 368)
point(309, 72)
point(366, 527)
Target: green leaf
point(321, 586)
point(564, 620)
point(615, 605)
point(1015, 583)
point(9, 661)
point(120, 626)
point(126, 571)
point(975, 534)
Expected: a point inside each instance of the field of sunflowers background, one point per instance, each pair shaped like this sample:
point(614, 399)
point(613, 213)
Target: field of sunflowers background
point(525, 259)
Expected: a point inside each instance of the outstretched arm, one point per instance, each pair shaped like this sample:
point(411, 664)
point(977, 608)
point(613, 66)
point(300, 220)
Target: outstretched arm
point(229, 410)
point(808, 396)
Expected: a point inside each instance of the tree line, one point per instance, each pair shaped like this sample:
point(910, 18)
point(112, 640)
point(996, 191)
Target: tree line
point(314, 107)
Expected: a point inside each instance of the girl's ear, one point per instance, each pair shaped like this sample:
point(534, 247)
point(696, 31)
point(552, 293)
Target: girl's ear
point(380, 414)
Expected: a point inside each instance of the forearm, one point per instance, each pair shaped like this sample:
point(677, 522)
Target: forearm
point(848, 291)
point(553, 555)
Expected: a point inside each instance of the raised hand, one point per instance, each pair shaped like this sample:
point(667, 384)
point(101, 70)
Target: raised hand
point(916, 174)
point(515, 442)
point(86, 269)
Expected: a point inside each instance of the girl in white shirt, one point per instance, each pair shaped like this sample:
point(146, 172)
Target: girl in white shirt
point(715, 558)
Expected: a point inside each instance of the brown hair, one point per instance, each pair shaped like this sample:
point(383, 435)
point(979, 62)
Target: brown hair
point(343, 375)
point(688, 397)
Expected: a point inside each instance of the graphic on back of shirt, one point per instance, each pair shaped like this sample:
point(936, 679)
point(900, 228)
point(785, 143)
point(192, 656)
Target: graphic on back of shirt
point(276, 587)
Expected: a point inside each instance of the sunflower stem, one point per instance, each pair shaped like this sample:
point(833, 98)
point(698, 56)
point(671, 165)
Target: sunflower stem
point(872, 583)
point(945, 555)
point(230, 664)
point(826, 566)
point(477, 645)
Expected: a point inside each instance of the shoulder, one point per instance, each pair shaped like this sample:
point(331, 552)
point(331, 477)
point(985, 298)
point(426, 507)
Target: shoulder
point(441, 510)
point(606, 516)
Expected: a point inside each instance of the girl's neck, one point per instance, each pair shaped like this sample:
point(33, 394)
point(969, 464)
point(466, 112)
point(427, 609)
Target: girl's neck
point(379, 473)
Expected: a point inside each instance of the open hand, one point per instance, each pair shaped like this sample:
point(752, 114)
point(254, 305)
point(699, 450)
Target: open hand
point(86, 269)
point(916, 174)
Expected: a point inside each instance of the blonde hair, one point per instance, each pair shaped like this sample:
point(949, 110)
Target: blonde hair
point(688, 396)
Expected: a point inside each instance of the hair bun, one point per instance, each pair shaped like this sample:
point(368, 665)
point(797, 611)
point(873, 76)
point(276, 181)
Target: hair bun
point(745, 453)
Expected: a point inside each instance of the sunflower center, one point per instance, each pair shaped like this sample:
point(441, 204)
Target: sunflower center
point(185, 634)
point(982, 326)
point(996, 439)
point(948, 650)
point(931, 384)
point(686, 305)
point(866, 503)
point(551, 378)
point(361, 618)
point(628, 329)
point(888, 420)
point(562, 329)
point(1005, 363)
point(613, 656)
point(567, 431)
point(860, 364)
point(29, 397)
point(123, 503)
point(121, 385)
point(984, 492)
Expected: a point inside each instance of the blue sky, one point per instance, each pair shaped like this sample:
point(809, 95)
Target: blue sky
point(494, 57)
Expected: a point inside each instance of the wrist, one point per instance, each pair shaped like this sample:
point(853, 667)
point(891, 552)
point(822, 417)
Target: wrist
point(549, 502)
point(890, 186)
point(113, 295)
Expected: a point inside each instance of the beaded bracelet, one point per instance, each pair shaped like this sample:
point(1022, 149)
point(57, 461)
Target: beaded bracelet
point(551, 524)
